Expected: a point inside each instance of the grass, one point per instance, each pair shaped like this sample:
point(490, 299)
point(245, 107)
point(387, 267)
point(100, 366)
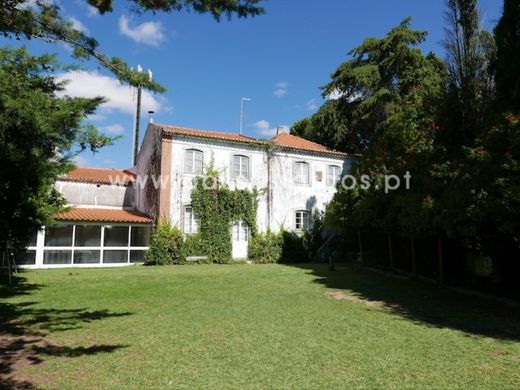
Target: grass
point(250, 326)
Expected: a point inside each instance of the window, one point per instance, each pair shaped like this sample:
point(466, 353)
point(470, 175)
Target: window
point(333, 175)
point(51, 256)
point(86, 256)
point(116, 236)
point(302, 220)
point(191, 222)
point(87, 235)
point(240, 231)
point(193, 161)
point(26, 258)
point(140, 236)
point(115, 256)
point(240, 168)
point(137, 256)
point(301, 173)
point(60, 235)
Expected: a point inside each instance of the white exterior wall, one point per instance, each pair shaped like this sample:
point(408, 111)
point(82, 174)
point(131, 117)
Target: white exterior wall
point(287, 197)
point(96, 195)
point(221, 154)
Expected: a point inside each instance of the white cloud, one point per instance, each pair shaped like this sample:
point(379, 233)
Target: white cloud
point(119, 97)
point(311, 105)
point(77, 25)
point(264, 128)
point(148, 33)
point(92, 11)
point(281, 89)
point(115, 129)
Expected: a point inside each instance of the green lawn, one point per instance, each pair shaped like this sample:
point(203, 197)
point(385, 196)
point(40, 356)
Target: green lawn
point(250, 326)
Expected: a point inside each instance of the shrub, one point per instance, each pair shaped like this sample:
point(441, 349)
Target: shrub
point(193, 246)
point(293, 248)
point(265, 248)
point(166, 246)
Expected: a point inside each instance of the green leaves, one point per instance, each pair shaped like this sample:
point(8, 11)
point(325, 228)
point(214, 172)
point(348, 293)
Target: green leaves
point(39, 134)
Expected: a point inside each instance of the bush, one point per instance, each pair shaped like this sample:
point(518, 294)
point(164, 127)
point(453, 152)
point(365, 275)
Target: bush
point(193, 246)
point(265, 248)
point(166, 246)
point(293, 248)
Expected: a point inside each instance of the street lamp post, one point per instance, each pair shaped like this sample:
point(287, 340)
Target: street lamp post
point(242, 100)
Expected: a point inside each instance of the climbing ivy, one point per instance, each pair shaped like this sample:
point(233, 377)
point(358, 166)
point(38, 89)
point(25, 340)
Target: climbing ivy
point(217, 207)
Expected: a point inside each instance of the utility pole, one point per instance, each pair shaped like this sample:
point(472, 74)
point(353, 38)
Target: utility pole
point(135, 148)
point(242, 100)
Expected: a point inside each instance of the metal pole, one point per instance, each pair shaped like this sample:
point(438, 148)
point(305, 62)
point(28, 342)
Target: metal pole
point(241, 115)
point(137, 124)
point(242, 100)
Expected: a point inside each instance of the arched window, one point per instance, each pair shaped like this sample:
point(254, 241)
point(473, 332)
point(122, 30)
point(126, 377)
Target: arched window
point(193, 161)
point(301, 173)
point(240, 168)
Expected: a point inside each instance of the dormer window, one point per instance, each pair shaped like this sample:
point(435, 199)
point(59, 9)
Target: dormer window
point(193, 161)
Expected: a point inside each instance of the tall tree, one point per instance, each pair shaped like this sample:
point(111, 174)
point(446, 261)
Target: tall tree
point(387, 100)
point(470, 55)
point(43, 19)
point(507, 66)
point(39, 135)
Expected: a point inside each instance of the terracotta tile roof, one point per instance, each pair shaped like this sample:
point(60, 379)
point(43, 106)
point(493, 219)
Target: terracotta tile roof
point(207, 134)
point(99, 175)
point(293, 142)
point(81, 214)
point(284, 140)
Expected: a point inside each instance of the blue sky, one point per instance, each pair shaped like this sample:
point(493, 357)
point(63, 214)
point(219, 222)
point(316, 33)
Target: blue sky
point(279, 60)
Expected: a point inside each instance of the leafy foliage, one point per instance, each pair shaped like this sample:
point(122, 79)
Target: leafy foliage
point(217, 207)
point(40, 133)
point(166, 246)
point(265, 248)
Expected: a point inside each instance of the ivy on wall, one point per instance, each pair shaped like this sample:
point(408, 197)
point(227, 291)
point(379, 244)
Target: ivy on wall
point(217, 207)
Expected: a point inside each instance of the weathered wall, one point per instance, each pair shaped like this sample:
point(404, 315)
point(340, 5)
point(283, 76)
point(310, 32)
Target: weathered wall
point(220, 154)
point(287, 197)
point(91, 194)
point(149, 169)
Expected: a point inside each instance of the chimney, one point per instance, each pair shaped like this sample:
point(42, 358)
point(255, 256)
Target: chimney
point(282, 130)
point(150, 116)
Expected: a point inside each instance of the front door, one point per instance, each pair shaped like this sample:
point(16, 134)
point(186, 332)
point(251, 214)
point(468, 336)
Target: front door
point(240, 236)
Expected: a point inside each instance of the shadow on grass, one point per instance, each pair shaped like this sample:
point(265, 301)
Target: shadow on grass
point(24, 329)
point(419, 301)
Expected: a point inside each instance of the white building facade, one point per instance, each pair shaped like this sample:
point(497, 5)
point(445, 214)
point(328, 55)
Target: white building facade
point(111, 212)
point(295, 178)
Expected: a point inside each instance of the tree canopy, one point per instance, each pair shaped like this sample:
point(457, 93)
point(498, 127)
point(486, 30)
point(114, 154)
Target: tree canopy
point(40, 133)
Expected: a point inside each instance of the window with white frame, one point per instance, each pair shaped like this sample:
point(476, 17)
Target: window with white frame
point(333, 175)
point(91, 243)
point(240, 168)
point(191, 222)
point(193, 161)
point(301, 220)
point(301, 173)
point(241, 231)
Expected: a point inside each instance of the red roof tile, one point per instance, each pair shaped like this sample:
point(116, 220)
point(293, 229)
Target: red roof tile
point(284, 140)
point(207, 134)
point(293, 142)
point(101, 215)
point(99, 175)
